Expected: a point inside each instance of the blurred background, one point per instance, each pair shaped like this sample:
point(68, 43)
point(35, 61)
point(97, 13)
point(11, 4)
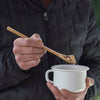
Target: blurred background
point(96, 5)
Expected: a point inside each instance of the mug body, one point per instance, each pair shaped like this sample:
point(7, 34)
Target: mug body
point(72, 81)
point(67, 77)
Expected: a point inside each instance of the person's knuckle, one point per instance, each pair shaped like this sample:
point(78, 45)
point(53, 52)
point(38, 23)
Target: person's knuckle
point(39, 60)
point(36, 56)
point(32, 64)
point(36, 62)
point(32, 49)
point(15, 50)
point(22, 65)
point(15, 42)
point(55, 91)
point(26, 41)
point(18, 58)
point(38, 50)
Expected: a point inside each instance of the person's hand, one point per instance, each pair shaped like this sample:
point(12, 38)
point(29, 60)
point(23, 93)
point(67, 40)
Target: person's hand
point(66, 95)
point(28, 51)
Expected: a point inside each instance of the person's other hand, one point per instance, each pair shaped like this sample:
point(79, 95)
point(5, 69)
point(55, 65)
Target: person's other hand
point(66, 95)
point(28, 51)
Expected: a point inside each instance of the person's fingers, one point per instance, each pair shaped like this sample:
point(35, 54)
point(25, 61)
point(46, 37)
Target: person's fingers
point(37, 36)
point(27, 50)
point(55, 91)
point(28, 42)
point(65, 92)
point(89, 82)
point(25, 58)
point(29, 64)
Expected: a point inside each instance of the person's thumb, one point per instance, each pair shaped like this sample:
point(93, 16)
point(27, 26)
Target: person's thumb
point(36, 36)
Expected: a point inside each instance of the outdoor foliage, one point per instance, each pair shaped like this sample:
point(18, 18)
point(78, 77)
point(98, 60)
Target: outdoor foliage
point(97, 97)
point(96, 5)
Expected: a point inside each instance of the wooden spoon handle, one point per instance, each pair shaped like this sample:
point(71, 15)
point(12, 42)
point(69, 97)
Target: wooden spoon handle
point(24, 36)
point(62, 56)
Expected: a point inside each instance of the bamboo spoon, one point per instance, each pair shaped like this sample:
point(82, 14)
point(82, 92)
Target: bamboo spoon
point(67, 58)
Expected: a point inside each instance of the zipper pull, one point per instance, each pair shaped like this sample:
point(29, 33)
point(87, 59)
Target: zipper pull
point(45, 16)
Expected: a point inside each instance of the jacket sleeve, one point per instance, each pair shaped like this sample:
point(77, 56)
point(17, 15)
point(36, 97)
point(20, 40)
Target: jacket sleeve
point(91, 55)
point(10, 73)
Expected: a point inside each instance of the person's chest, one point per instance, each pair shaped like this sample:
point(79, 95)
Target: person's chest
point(61, 26)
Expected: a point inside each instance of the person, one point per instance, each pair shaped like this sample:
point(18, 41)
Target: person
point(67, 26)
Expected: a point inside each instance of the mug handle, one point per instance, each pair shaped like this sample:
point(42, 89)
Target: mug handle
point(47, 75)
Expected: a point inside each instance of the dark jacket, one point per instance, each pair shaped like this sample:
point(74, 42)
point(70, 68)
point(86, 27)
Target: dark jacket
point(67, 26)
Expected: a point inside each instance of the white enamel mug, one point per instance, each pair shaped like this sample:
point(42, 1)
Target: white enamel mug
point(69, 77)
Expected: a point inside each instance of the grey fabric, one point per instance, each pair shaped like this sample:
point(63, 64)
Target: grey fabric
point(69, 28)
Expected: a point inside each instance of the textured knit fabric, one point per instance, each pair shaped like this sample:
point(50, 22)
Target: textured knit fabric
point(67, 26)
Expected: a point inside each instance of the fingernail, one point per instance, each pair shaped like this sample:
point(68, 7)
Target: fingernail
point(91, 82)
point(37, 36)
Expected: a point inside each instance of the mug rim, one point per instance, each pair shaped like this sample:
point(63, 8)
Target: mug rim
point(69, 68)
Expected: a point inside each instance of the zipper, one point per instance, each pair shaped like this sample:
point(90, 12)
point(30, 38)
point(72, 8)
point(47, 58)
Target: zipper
point(45, 18)
point(45, 15)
